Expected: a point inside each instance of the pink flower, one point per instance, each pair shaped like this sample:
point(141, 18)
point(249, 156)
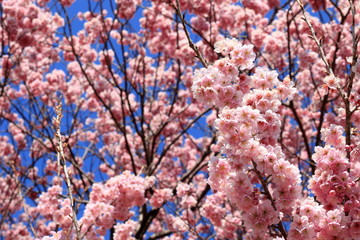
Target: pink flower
point(334, 136)
point(243, 56)
point(226, 46)
point(160, 196)
point(332, 82)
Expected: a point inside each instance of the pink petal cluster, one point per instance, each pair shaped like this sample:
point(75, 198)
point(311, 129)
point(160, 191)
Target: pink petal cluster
point(331, 182)
point(126, 8)
point(221, 84)
point(306, 219)
point(160, 196)
point(125, 230)
point(111, 201)
point(54, 208)
point(332, 82)
point(334, 136)
point(247, 132)
point(225, 224)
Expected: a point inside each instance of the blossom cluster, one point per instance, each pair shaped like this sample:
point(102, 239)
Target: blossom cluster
point(248, 127)
point(111, 201)
point(254, 173)
point(222, 84)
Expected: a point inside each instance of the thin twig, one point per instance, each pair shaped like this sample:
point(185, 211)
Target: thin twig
point(355, 42)
point(315, 38)
point(62, 163)
point(191, 44)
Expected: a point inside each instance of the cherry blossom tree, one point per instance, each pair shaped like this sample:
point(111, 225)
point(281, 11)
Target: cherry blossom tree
point(179, 119)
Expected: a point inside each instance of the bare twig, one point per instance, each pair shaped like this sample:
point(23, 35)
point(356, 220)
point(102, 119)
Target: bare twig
point(315, 38)
point(62, 163)
point(191, 44)
point(355, 42)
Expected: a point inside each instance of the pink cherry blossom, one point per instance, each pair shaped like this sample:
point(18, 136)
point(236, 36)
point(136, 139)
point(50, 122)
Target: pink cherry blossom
point(179, 119)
